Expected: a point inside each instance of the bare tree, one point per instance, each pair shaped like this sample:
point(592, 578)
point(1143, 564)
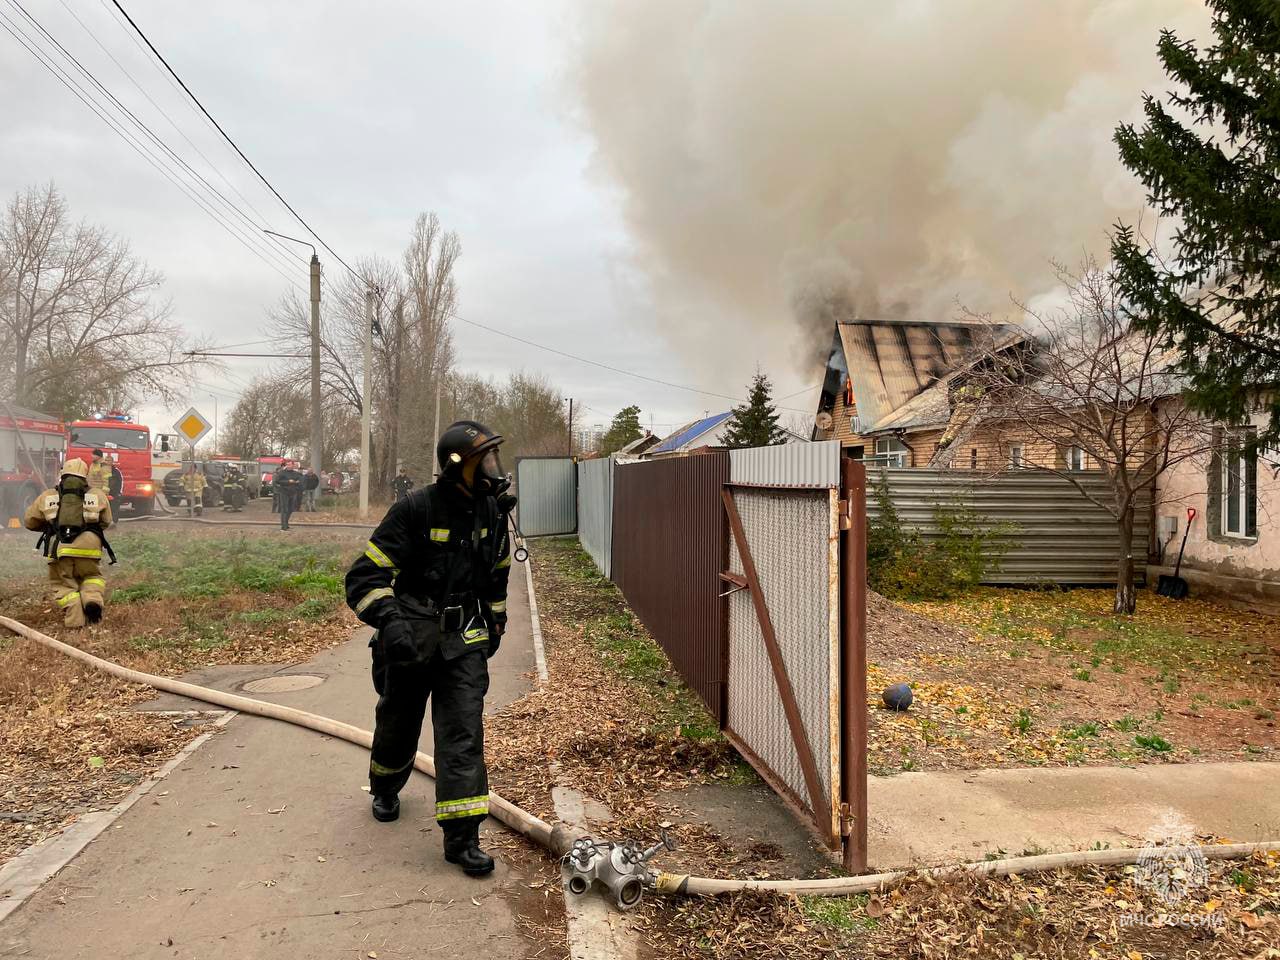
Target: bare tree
point(81, 324)
point(1096, 393)
point(412, 345)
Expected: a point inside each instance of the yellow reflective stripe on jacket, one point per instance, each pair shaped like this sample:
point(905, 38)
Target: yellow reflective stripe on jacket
point(89, 553)
point(498, 606)
point(503, 563)
point(467, 807)
point(378, 557)
point(379, 770)
point(373, 596)
point(68, 598)
point(475, 634)
point(440, 534)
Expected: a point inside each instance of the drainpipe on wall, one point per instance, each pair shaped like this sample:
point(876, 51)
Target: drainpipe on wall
point(901, 437)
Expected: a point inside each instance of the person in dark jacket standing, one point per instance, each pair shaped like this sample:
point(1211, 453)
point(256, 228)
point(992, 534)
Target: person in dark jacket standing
point(402, 484)
point(310, 484)
point(433, 583)
point(288, 482)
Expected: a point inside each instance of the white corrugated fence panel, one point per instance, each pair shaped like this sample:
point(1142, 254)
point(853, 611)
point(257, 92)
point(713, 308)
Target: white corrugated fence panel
point(815, 465)
point(595, 511)
point(546, 487)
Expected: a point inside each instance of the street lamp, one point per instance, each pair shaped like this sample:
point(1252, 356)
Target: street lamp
point(317, 435)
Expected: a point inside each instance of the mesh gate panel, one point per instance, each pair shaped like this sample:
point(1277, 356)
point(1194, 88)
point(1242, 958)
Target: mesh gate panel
point(789, 535)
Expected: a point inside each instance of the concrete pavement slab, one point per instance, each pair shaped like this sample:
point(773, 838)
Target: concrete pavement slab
point(941, 817)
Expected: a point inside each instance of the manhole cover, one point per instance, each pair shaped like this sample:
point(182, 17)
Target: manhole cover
point(285, 683)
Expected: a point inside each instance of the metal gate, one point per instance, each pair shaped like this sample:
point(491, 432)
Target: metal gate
point(547, 488)
point(784, 636)
point(796, 705)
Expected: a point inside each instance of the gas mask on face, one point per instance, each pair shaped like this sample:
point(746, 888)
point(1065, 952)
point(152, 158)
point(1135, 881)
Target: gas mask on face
point(489, 480)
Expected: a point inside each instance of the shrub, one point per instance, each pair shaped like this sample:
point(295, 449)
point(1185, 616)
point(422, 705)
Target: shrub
point(903, 563)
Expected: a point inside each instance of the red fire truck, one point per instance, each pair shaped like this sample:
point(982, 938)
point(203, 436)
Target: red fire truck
point(268, 467)
point(128, 446)
point(31, 452)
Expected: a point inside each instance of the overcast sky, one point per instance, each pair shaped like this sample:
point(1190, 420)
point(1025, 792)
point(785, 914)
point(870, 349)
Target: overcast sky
point(680, 188)
point(362, 116)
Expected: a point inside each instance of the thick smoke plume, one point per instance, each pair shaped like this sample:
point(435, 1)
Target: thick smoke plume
point(782, 163)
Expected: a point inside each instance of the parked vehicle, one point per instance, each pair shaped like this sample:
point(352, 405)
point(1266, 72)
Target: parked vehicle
point(32, 447)
point(128, 446)
point(266, 469)
point(175, 496)
point(252, 478)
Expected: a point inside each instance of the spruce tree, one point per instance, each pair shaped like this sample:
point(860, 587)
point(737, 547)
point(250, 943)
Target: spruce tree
point(1211, 159)
point(755, 423)
point(624, 429)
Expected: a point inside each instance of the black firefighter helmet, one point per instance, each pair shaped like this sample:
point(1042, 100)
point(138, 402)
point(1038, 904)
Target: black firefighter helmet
point(466, 440)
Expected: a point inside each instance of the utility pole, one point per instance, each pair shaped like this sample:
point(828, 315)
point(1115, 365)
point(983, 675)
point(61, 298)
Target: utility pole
point(216, 448)
point(317, 434)
point(436, 432)
point(571, 428)
point(317, 421)
point(366, 418)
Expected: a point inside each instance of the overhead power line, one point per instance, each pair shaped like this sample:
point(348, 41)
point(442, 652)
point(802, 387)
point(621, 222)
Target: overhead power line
point(606, 366)
point(32, 45)
point(227, 137)
point(159, 109)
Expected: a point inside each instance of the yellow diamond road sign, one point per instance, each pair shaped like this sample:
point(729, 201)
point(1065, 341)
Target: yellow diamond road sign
point(192, 426)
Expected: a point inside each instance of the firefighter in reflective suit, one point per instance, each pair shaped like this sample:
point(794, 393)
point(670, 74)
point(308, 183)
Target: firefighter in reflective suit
point(433, 582)
point(71, 518)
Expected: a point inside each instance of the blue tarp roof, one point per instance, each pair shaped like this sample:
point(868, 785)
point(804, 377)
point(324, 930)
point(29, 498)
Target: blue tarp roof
point(691, 432)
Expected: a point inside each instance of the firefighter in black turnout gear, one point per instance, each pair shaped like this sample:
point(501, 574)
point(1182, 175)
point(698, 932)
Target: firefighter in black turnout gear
point(433, 583)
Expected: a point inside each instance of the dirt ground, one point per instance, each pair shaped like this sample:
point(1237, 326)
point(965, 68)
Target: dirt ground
point(644, 750)
point(1027, 678)
point(180, 598)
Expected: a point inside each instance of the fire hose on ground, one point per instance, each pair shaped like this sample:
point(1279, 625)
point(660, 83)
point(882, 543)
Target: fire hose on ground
point(620, 868)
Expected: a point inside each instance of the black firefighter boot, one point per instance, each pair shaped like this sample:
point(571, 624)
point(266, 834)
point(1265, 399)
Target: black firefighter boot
point(386, 807)
point(462, 846)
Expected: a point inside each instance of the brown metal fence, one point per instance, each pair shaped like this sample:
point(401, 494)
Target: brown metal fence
point(669, 546)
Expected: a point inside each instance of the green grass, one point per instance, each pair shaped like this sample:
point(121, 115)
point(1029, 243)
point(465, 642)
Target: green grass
point(1023, 723)
point(1153, 742)
point(625, 647)
point(1126, 724)
point(845, 914)
point(1081, 731)
point(158, 566)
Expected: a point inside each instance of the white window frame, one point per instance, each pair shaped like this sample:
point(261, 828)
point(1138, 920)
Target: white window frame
point(1233, 455)
point(892, 450)
point(1017, 455)
point(1075, 459)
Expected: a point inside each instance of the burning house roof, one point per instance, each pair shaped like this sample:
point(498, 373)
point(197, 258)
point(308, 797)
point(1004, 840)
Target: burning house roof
point(889, 362)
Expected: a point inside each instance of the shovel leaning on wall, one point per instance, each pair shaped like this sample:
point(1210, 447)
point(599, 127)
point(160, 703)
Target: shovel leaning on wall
point(1173, 586)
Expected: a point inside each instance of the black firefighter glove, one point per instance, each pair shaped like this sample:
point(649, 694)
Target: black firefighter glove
point(496, 630)
point(397, 640)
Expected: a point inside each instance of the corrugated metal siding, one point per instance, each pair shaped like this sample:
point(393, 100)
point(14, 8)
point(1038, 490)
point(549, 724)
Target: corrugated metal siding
point(546, 487)
point(1059, 535)
point(595, 511)
point(669, 547)
point(815, 465)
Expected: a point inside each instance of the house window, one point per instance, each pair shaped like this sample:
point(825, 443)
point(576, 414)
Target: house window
point(1239, 513)
point(1075, 458)
point(1015, 455)
point(891, 451)
point(973, 459)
